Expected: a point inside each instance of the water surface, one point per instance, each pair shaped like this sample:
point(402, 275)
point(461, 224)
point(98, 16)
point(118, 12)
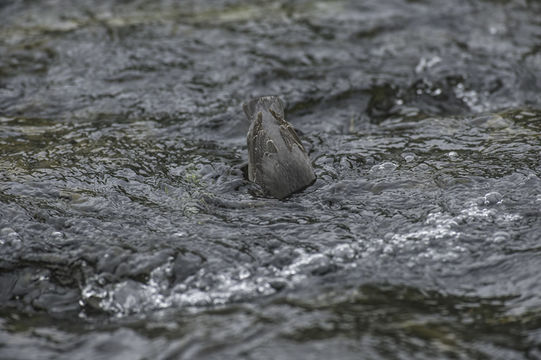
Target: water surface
point(127, 228)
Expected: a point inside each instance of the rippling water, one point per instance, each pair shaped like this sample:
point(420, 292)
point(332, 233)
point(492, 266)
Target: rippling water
point(127, 228)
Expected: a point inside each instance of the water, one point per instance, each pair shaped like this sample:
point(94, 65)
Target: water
point(127, 228)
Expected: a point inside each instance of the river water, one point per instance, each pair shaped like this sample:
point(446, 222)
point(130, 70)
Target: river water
point(127, 227)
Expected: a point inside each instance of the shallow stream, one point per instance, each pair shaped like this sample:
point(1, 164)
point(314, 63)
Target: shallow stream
point(128, 230)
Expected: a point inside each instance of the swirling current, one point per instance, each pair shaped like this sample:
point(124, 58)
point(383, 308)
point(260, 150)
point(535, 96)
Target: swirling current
point(129, 231)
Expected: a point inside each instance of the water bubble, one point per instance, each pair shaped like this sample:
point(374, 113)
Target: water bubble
point(57, 236)
point(343, 252)
point(492, 198)
point(408, 157)
point(10, 237)
point(453, 155)
point(500, 237)
point(243, 274)
point(383, 168)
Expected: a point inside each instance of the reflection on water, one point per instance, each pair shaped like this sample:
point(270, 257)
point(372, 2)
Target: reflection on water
point(127, 227)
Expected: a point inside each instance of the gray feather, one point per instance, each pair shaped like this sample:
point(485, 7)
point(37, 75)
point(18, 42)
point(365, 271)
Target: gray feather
point(277, 160)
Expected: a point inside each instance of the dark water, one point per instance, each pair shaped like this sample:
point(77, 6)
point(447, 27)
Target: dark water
point(127, 229)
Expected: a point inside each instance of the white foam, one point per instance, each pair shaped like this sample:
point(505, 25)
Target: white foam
point(437, 239)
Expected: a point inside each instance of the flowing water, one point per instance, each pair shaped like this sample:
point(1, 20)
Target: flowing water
point(128, 229)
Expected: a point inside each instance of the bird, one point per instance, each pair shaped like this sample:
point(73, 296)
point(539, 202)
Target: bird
point(277, 160)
